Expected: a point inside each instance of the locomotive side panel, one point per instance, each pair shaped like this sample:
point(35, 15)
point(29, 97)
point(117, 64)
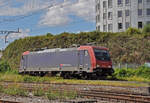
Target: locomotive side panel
point(57, 61)
point(84, 61)
point(68, 60)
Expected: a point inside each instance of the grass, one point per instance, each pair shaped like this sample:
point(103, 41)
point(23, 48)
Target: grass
point(38, 92)
point(135, 78)
point(53, 95)
point(141, 75)
point(15, 90)
point(1, 88)
point(14, 77)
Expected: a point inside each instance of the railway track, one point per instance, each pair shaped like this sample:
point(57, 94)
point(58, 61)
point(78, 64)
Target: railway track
point(117, 97)
point(4, 101)
point(91, 92)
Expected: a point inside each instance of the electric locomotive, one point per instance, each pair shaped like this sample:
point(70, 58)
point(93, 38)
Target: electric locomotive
point(86, 62)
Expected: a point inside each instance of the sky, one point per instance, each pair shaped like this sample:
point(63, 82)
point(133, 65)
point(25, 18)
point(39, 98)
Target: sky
point(38, 17)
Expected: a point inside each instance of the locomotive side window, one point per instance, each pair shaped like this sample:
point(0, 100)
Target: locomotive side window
point(102, 55)
point(86, 53)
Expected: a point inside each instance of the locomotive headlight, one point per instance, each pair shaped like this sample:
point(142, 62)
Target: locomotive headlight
point(97, 66)
point(109, 66)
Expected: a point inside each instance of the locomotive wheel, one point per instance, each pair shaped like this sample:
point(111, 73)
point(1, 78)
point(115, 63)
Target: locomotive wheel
point(84, 76)
point(111, 72)
point(66, 75)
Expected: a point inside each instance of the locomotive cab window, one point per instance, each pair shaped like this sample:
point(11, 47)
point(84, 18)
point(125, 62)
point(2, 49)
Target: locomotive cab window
point(102, 55)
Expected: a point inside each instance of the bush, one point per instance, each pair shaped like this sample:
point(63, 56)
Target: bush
point(4, 66)
point(124, 72)
point(28, 78)
point(131, 31)
point(143, 71)
point(146, 28)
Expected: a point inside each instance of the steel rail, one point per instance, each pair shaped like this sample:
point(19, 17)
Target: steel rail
point(117, 96)
point(5, 101)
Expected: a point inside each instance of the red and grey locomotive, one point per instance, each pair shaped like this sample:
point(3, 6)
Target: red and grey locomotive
point(83, 62)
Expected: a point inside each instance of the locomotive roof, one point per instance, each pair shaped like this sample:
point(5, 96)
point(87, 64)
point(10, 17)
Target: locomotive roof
point(54, 50)
point(97, 47)
point(60, 50)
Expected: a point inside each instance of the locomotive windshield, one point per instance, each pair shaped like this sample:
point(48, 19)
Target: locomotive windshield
point(102, 54)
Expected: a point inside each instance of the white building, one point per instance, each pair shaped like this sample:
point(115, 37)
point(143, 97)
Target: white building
point(118, 15)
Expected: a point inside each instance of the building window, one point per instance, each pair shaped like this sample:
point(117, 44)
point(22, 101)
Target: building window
point(110, 15)
point(139, 12)
point(110, 26)
point(119, 14)
point(98, 18)
point(98, 28)
point(127, 25)
point(139, 1)
point(97, 7)
point(119, 2)
point(148, 1)
point(104, 4)
point(104, 28)
point(127, 2)
point(148, 11)
point(119, 26)
point(127, 12)
point(110, 3)
point(140, 24)
point(148, 22)
point(104, 15)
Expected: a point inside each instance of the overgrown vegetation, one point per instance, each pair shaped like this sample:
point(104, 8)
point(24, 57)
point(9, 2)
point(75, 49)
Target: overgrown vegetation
point(4, 66)
point(133, 31)
point(16, 90)
point(140, 74)
point(132, 46)
point(13, 90)
point(38, 92)
point(146, 29)
point(14, 77)
point(55, 95)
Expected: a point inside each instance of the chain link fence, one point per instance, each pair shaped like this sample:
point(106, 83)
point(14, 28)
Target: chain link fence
point(126, 65)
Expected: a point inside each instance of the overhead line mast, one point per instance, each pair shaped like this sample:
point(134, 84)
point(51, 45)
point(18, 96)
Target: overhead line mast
point(8, 33)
